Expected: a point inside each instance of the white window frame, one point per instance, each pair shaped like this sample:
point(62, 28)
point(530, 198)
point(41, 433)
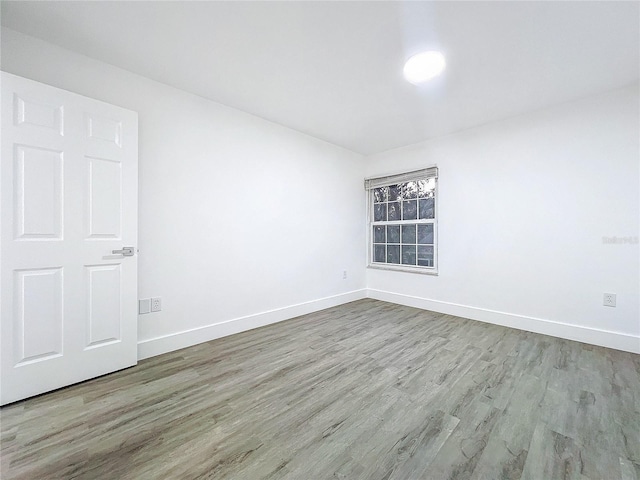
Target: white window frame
point(370, 185)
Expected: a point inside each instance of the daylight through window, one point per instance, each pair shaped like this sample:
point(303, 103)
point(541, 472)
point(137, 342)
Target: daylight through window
point(402, 221)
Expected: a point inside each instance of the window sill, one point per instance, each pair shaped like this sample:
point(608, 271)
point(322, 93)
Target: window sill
point(404, 268)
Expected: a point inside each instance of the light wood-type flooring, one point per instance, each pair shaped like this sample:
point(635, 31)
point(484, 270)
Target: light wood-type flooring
point(366, 390)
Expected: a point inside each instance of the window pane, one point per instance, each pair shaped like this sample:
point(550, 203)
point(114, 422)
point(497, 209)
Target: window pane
point(394, 191)
point(379, 253)
point(408, 254)
point(426, 188)
point(378, 234)
point(393, 253)
point(425, 256)
point(425, 233)
point(409, 210)
point(409, 190)
point(380, 194)
point(393, 233)
point(427, 208)
point(379, 212)
point(394, 211)
point(409, 234)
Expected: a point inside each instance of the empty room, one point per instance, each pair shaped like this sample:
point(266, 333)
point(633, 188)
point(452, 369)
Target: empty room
point(320, 240)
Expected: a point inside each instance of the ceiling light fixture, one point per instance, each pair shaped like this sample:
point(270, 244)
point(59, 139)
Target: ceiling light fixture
point(423, 67)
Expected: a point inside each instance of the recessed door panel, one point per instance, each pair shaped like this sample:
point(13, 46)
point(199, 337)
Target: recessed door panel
point(38, 175)
point(105, 129)
point(105, 187)
point(104, 307)
point(34, 113)
point(38, 314)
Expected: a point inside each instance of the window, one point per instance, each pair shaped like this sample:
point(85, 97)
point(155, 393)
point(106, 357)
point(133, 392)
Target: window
point(402, 221)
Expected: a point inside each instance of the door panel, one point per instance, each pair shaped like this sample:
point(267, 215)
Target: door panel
point(105, 129)
point(29, 112)
point(104, 208)
point(38, 315)
point(38, 192)
point(103, 304)
point(68, 191)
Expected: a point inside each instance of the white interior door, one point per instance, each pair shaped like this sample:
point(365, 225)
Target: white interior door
point(69, 197)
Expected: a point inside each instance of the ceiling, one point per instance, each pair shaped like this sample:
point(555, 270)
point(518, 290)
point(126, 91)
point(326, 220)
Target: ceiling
point(333, 70)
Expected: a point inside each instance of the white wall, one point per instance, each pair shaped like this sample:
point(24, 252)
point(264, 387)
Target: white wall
point(524, 205)
point(238, 216)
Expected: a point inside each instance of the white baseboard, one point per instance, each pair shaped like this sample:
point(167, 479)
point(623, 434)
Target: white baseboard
point(594, 336)
point(175, 341)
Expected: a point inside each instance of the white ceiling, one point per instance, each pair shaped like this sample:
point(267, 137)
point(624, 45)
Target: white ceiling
point(334, 69)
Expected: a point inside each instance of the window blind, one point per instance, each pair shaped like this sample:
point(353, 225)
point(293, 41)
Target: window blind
point(371, 183)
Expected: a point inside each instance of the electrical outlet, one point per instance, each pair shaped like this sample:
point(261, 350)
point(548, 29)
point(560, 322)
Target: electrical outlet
point(144, 305)
point(344, 274)
point(609, 300)
point(156, 304)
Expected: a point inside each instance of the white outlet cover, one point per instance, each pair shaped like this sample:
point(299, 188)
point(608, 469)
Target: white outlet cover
point(156, 304)
point(609, 300)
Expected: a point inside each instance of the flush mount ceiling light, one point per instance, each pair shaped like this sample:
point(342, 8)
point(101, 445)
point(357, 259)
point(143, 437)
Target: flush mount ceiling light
point(423, 67)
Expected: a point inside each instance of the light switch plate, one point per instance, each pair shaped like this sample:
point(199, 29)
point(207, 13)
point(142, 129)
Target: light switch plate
point(144, 305)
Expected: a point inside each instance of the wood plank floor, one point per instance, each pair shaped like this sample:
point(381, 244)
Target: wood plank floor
point(366, 390)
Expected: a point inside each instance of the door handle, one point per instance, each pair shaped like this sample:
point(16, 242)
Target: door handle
point(125, 252)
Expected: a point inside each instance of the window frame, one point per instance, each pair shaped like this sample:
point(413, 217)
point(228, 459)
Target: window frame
point(376, 182)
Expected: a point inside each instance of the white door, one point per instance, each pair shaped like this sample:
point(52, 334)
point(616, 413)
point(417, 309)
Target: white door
point(69, 197)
